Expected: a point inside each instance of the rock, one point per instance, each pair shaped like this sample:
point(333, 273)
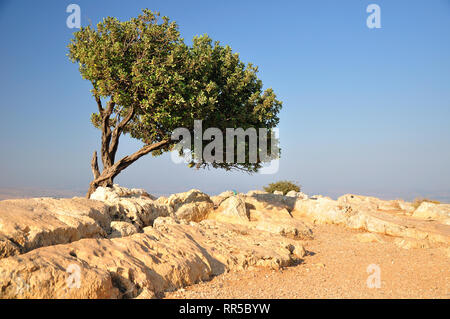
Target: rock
point(217, 200)
point(266, 212)
point(428, 210)
point(363, 213)
point(44, 273)
point(368, 238)
point(135, 206)
point(27, 224)
point(409, 243)
point(292, 194)
point(278, 192)
point(165, 257)
point(162, 200)
point(234, 206)
point(191, 206)
point(321, 211)
point(255, 192)
point(298, 195)
point(7, 247)
point(122, 229)
point(139, 211)
point(264, 201)
point(146, 294)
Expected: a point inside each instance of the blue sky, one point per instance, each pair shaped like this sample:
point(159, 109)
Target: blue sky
point(365, 111)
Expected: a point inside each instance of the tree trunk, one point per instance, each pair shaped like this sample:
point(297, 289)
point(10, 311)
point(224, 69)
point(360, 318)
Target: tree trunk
point(110, 143)
point(107, 176)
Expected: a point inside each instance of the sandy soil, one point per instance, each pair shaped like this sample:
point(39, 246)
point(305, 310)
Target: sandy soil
point(336, 267)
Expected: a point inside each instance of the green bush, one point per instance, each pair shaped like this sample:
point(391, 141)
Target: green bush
point(283, 186)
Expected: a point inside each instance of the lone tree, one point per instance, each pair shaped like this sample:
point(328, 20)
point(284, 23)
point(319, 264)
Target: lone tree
point(147, 82)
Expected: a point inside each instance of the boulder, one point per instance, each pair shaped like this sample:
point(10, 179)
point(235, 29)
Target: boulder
point(122, 229)
point(191, 206)
point(234, 207)
point(105, 194)
point(217, 200)
point(428, 210)
point(278, 192)
point(27, 224)
point(135, 206)
point(298, 195)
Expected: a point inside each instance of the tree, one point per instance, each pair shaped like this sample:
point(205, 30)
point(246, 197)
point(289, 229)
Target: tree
point(147, 82)
point(282, 186)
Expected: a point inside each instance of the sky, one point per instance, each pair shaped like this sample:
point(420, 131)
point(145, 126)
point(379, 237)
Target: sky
point(365, 111)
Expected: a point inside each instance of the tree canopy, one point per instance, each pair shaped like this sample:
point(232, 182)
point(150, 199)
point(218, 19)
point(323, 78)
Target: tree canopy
point(147, 82)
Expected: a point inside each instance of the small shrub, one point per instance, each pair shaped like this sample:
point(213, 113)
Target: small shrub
point(283, 186)
point(418, 201)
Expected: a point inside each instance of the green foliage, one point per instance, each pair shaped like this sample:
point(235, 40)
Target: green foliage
point(144, 64)
point(283, 186)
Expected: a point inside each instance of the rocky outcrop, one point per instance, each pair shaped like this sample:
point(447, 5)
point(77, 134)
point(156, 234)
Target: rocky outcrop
point(263, 211)
point(122, 229)
point(27, 224)
point(128, 244)
point(373, 215)
point(133, 206)
point(141, 209)
point(431, 211)
point(191, 206)
point(165, 257)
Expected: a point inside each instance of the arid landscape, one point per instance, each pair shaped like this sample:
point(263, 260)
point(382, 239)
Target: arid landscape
point(126, 243)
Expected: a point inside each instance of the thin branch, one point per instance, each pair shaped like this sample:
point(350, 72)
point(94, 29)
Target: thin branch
point(118, 131)
point(126, 161)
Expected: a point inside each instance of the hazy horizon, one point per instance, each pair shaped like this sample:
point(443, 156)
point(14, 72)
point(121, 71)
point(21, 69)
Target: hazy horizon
point(365, 111)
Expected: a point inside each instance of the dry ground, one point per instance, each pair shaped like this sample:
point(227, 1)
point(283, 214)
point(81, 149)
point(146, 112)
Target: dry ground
point(336, 267)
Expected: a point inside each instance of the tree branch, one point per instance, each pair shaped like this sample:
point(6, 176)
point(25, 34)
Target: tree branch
point(114, 144)
point(94, 166)
point(106, 135)
point(99, 105)
point(126, 161)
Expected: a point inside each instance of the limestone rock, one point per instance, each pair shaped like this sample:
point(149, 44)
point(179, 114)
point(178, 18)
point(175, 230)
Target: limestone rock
point(278, 192)
point(132, 205)
point(191, 206)
point(165, 257)
point(267, 201)
point(105, 194)
point(359, 212)
point(266, 212)
point(27, 224)
point(298, 195)
point(122, 229)
point(428, 210)
point(409, 243)
point(234, 206)
point(217, 200)
point(255, 192)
